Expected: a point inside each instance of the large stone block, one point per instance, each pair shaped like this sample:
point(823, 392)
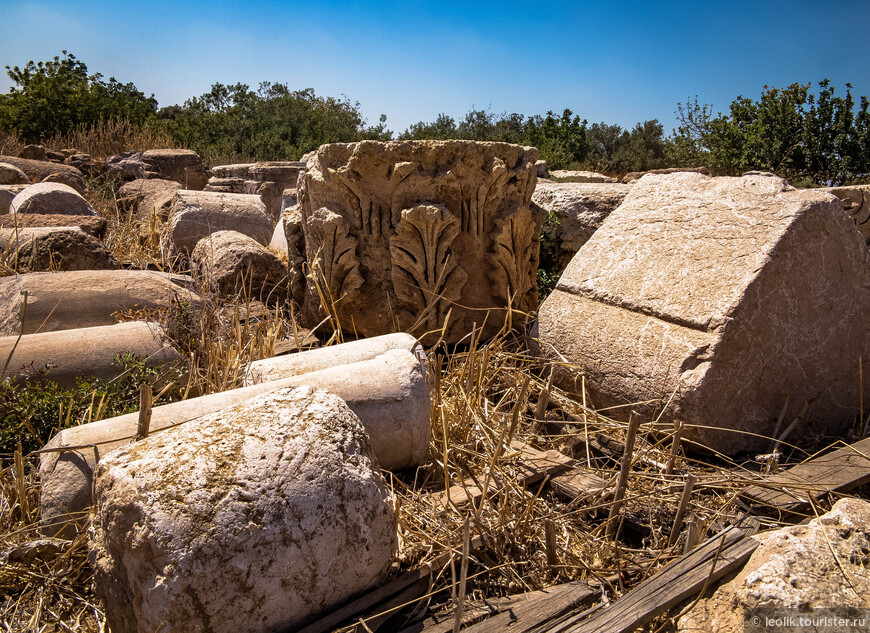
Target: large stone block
point(722, 298)
point(198, 214)
point(39, 170)
point(86, 352)
point(149, 197)
point(578, 210)
point(181, 165)
point(388, 392)
point(800, 569)
point(251, 519)
point(37, 249)
point(86, 298)
point(398, 234)
point(51, 198)
point(90, 224)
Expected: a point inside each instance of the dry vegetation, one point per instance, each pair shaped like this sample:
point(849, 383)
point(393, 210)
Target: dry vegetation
point(485, 394)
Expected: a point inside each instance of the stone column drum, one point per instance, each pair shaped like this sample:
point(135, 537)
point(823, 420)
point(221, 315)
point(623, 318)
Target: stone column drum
point(398, 234)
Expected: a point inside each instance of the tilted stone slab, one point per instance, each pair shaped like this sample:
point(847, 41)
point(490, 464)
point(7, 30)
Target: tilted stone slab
point(388, 392)
point(87, 352)
point(251, 519)
point(87, 298)
point(198, 214)
point(723, 297)
point(398, 234)
point(578, 209)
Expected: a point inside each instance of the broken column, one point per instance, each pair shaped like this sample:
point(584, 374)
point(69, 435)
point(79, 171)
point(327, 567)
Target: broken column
point(398, 234)
point(389, 393)
point(86, 352)
point(57, 248)
point(250, 519)
point(719, 300)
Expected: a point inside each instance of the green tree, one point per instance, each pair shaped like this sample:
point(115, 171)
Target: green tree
point(57, 96)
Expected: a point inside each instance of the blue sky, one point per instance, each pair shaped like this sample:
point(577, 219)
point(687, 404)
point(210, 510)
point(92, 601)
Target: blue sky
point(616, 62)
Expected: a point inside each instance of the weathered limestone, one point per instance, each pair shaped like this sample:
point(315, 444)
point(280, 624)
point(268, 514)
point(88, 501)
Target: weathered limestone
point(90, 224)
point(7, 195)
point(631, 176)
point(268, 180)
point(578, 210)
point(269, 512)
point(88, 352)
point(856, 202)
point(181, 165)
point(86, 298)
point(725, 297)
point(12, 175)
point(822, 565)
point(198, 214)
point(38, 249)
point(279, 367)
point(148, 197)
point(33, 152)
point(569, 175)
point(233, 264)
point(38, 170)
point(398, 234)
point(85, 164)
point(389, 393)
point(52, 198)
point(288, 241)
point(126, 165)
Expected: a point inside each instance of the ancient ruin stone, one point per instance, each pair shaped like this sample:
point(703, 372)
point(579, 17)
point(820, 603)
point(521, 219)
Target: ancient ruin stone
point(7, 194)
point(87, 352)
point(11, 175)
point(631, 176)
point(126, 165)
point(33, 152)
point(90, 224)
point(233, 264)
point(38, 170)
point(85, 164)
point(148, 197)
point(88, 298)
point(822, 565)
point(724, 297)
point(268, 180)
point(52, 198)
point(398, 234)
point(856, 202)
point(576, 210)
point(568, 175)
point(37, 249)
point(198, 214)
point(542, 169)
point(181, 165)
point(238, 170)
point(266, 513)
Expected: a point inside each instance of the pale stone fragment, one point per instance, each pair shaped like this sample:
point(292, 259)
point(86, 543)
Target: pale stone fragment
point(148, 197)
point(181, 165)
point(37, 249)
point(51, 198)
point(251, 519)
point(38, 170)
point(631, 176)
point(719, 300)
point(570, 175)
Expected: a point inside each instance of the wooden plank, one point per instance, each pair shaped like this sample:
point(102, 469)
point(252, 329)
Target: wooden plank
point(521, 613)
point(837, 471)
point(674, 584)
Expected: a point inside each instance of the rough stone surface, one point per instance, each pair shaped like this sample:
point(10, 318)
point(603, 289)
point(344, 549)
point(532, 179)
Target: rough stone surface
point(37, 249)
point(85, 164)
point(403, 232)
point(389, 393)
point(268, 180)
point(542, 169)
point(181, 165)
point(568, 175)
point(38, 170)
point(822, 565)
point(233, 264)
point(239, 170)
point(33, 152)
point(269, 512)
point(53, 198)
point(726, 297)
point(87, 352)
point(87, 298)
point(12, 175)
point(636, 175)
point(198, 214)
point(578, 210)
point(148, 197)
point(288, 241)
point(856, 202)
point(126, 165)
point(7, 194)
point(90, 224)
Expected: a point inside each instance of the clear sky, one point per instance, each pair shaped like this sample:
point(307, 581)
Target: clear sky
point(619, 62)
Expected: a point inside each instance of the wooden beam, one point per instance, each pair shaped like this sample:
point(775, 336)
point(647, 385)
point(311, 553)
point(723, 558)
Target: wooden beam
point(792, 489)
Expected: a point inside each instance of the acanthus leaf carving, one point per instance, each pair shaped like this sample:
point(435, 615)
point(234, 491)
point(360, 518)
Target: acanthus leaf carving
point(425, 275)
point(513, 267)
point(332, 254)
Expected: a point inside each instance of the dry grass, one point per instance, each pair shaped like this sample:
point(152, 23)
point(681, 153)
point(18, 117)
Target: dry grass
point(111, 137)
